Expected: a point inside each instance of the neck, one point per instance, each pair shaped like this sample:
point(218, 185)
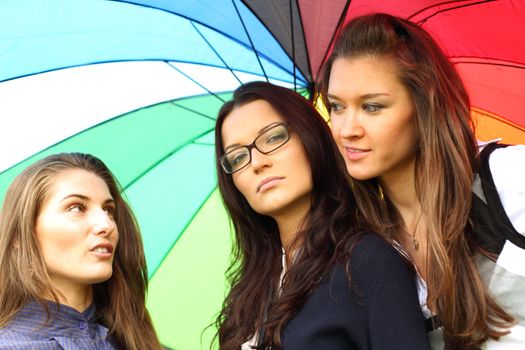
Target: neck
point(79, 297)
point(289, 224)
point(401, 191)
point(400, 188)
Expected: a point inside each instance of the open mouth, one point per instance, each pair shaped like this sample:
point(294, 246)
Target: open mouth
point(103, 249)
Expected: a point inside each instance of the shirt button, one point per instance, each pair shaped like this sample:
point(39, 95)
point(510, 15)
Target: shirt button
point(82, 325)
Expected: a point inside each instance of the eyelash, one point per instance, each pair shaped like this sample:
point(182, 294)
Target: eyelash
point(110, 210)
point(374, 106)
point(334, 107)
point(82, 206)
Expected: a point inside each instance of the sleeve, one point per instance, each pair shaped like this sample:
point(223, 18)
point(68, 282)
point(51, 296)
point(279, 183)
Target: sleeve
point(507, 166)
point(394, 317)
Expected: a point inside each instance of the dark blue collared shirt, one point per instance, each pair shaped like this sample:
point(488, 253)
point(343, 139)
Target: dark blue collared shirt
point(70, 330)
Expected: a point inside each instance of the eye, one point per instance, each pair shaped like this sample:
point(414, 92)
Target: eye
point(335, 107)
point(110, 210)
point(76, 207)
point(237, 157)
point(372, 107)
point(276, 137)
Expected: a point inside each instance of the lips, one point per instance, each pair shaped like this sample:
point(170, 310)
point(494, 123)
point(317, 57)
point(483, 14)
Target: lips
point(354, 153)
point(267, 183)
point(355, 149)
point(103, 248)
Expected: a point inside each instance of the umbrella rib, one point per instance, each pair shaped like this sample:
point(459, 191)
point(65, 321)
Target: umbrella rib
point(420, 22)
point(293, 45)
point(215, 51)
point(493, 61)
point(250, 40)
point(192, 110)
point(337, 28)
point(204, 143)
point(195, 81)
point(305, 42)
point(169, 154)
point(269, 59)
point(168, 251)
point(498, 118)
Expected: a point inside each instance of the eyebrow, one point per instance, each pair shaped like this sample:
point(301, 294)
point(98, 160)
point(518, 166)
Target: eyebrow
point(259, 133)
point(84, 197)
point(362, 97)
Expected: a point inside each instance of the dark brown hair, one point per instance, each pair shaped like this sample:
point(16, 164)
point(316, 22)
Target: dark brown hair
point(120, 301)
point(446, 161)
point(328, 235)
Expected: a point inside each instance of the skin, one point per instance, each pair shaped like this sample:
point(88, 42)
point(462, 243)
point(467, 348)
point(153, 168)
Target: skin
point(373, 123)
point(286, 197)
point(76, 219)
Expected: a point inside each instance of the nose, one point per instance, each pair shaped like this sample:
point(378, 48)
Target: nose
point(349, 126)
point(102, 223)
point(259, 160)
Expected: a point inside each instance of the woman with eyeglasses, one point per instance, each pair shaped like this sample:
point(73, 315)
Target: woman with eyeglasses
point(305, 272)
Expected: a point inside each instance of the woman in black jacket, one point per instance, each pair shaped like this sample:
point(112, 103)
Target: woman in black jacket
point(305, 272)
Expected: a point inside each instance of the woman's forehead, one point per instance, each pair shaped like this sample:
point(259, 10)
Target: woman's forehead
point(246, 122)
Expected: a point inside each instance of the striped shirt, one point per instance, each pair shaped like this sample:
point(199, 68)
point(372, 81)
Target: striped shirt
point(69, 330)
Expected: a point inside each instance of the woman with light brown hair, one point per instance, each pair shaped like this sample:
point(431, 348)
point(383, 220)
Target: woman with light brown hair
point(401, 118)
point(72, 267)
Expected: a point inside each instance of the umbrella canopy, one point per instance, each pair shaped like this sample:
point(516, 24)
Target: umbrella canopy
point(138, 84)
point(484, 39)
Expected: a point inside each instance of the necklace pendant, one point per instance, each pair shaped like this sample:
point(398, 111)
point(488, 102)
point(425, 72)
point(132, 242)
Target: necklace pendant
point(415, 243)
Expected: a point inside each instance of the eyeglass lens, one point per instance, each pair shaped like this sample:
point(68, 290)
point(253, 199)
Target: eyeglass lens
point(267, 142)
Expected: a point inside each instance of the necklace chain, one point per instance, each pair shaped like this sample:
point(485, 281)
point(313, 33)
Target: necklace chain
point(413, 234)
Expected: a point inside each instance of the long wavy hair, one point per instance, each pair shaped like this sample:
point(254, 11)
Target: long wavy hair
point(120, 301)
point(327, 237)
point(446, 161)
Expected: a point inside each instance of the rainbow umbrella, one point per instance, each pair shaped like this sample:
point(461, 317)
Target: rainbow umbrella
point(138, 83)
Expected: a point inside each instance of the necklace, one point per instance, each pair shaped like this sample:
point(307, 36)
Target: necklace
point(413, 234)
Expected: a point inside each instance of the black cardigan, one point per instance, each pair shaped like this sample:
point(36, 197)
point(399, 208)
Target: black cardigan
point(381, 311)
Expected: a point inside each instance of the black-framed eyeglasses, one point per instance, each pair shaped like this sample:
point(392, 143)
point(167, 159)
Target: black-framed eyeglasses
point(275, 136)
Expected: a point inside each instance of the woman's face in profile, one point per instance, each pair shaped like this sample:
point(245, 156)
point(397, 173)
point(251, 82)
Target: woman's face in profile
point(276, 183)
point(76, 230)
point(372, 117)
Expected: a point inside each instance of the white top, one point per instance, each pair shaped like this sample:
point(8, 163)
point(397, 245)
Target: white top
point(507, 275)
point(253, 342)
point(507, 166)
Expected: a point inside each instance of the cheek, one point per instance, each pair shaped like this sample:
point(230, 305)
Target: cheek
point(335, 126)
point(406, 134)
point(241, 184)
point(301, 165)
point(55, 238)
point(116, 236)
point(57, 243)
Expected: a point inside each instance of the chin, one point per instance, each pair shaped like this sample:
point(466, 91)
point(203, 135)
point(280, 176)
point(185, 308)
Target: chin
point(360, 175)
point(101, 277)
